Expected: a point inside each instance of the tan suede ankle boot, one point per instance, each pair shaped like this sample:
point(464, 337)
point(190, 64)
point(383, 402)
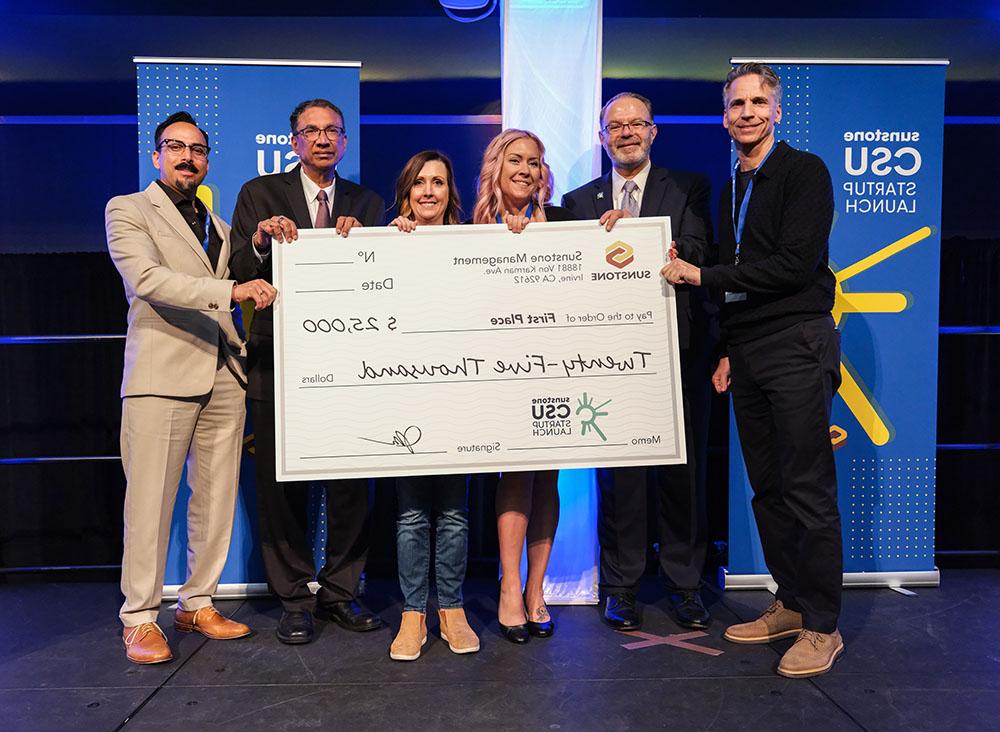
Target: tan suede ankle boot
point(455, 631)
point(411, 637)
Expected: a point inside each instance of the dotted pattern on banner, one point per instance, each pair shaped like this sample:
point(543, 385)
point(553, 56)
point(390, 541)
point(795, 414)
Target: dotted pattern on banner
point(167, 88)
point(796, 106)
point(892, 509)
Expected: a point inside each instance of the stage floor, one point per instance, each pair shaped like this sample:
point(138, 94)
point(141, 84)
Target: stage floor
point(931, 661)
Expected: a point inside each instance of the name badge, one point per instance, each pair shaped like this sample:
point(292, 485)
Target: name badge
point(736, 296)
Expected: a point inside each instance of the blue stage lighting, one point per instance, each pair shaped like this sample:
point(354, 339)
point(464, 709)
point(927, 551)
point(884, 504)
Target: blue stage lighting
point(453, 7)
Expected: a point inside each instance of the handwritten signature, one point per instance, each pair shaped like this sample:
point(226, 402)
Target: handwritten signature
point(407, 438)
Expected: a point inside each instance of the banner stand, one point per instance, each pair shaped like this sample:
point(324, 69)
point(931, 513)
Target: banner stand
point(878, 124)
point(930, 578)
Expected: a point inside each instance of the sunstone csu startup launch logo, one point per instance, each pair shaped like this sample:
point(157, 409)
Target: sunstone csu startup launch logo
point(555, 416)
point(620, 255)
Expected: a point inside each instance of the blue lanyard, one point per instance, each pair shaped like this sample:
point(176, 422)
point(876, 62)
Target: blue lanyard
point(527, 212)
point(738, 222)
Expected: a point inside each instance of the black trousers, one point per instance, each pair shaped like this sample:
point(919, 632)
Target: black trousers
point(678, 493)
point(282, 511)
point(783, 385)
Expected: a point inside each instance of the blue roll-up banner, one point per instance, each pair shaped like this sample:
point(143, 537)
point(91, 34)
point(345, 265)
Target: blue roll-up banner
point(243, 105)
point(879, 126)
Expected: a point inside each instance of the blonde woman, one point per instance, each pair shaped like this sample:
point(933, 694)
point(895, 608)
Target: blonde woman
point(515, 185)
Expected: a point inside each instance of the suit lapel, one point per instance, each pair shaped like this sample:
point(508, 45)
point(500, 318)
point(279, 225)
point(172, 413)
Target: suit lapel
point(604, 199)
point(297, 199)
point(342, 195)
point(168, 211)
point(657, 184)
point(223, 264)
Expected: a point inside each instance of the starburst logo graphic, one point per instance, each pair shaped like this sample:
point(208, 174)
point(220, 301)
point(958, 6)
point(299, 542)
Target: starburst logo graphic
point(619, 254)
point(853, 391)
point(586, 404)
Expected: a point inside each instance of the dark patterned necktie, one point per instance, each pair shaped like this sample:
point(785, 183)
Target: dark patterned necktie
point(323, 213)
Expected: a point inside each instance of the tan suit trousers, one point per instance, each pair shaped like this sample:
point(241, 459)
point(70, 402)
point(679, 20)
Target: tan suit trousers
point(157, 434)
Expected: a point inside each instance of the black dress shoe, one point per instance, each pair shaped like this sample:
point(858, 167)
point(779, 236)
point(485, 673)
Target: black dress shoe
point(621, 611)
point(541, 630)
point(350, 615)
point(295, 627)
point(688, 609)
point(516, 633)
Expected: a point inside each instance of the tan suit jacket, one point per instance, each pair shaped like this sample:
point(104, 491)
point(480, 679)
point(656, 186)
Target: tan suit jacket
point(178, 312)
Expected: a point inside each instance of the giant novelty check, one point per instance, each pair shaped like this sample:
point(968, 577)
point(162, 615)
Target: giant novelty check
point(464, 349)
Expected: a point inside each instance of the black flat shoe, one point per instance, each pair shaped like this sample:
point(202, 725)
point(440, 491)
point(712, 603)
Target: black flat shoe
point(542, 630)
point(621, 612)
point(350, 615)
point(688, 609)
point(515, 633)
point(295, 627)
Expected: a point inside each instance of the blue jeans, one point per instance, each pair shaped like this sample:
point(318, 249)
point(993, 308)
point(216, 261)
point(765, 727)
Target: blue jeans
point(420, 498)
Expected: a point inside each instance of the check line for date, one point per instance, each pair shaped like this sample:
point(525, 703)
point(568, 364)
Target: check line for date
point(478, 381)
point(526, 327)
point(303, 292)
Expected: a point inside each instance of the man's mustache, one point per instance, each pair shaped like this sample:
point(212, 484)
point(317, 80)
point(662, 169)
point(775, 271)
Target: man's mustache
point(186, 166)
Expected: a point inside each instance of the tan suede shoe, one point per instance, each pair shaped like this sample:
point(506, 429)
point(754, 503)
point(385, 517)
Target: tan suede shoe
point(812, 654)
point(146, 644)
point(776, 622)
point(210, 623)
point(455, 631)
point(411, 637)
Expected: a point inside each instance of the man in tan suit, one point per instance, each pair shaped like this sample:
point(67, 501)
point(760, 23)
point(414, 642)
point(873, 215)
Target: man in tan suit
point(182, 391)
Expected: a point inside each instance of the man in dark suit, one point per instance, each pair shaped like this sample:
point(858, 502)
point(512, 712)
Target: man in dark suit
point(274, 207)
point(638, 188)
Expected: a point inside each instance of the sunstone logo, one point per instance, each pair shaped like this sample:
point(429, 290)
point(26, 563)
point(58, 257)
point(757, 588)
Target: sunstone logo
point(619, 255)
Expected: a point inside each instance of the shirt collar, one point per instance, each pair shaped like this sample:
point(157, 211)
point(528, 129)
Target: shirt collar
point(312, 190)
point(175, 197)
point(640, 178)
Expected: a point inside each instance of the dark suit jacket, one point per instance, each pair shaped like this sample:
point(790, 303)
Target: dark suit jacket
point(281, 194)
point(684, 198)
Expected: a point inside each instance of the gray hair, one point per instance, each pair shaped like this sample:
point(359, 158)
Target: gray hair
point(625, 95)
point(768, 78)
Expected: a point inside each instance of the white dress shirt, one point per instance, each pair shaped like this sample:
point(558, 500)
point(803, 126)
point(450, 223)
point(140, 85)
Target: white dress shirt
point(618, 181)
point(311, 191)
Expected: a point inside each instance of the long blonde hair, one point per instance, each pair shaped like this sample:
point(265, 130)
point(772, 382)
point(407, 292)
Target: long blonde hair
point(489, 199)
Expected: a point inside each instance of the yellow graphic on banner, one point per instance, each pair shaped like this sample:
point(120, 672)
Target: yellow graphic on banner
point(852, 390)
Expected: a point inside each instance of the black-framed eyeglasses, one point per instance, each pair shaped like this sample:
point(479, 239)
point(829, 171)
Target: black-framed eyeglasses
point(311, 134)
point(177, 147)
point(636, 125)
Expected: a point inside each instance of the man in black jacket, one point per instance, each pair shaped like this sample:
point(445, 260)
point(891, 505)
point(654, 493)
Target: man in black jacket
point(783, 363)
point(640, 188)
point(274, 207)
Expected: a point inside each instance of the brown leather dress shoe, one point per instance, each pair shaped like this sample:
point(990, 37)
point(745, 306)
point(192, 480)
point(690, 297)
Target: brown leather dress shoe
point(146, 644)
point(210, 623)
point(812, 654)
